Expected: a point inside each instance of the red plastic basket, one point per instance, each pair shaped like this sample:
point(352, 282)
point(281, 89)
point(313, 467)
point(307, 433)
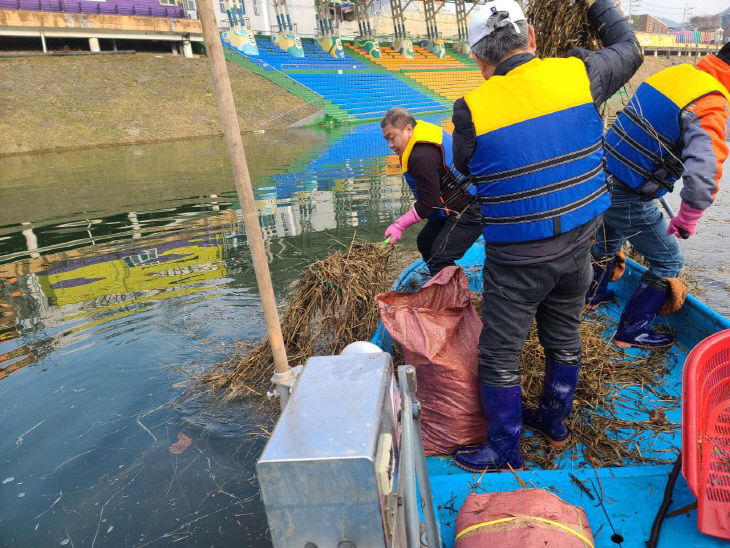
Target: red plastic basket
point(706, 431)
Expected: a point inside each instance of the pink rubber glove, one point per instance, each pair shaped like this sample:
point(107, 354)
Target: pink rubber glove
point(687, 219)
point(395, 231)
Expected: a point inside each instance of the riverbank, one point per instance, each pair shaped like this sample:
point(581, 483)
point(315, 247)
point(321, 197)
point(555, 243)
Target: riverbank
point(66, 103)
point(63, 103)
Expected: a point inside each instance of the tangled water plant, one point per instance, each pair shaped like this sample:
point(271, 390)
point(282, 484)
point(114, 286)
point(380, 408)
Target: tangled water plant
point(329, 306)
point(599, 434)
point(332, 304)
point(561, 25)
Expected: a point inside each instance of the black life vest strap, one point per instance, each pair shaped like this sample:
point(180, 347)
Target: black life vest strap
point(539, 166)
point(456, 186)
point(542, 215)
point(646, 127)
point(648, 175)
point(541, 191)
point(641, 149)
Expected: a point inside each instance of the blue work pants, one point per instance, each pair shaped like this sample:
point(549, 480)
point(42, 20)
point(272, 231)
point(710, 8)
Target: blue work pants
point(640, 222)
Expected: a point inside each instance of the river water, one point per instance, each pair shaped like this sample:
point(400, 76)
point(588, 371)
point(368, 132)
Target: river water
point(122, 272)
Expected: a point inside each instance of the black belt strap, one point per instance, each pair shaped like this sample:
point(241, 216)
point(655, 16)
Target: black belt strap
point(542, 215)
point(540, 191)
point(539, 166)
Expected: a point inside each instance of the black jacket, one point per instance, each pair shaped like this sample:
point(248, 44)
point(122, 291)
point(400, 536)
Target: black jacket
point(608, 70)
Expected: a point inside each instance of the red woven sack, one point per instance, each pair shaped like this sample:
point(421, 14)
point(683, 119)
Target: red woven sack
point(438, 329)
point(526, 517)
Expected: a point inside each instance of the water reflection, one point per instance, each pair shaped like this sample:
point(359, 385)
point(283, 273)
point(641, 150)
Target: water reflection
point(124, 270)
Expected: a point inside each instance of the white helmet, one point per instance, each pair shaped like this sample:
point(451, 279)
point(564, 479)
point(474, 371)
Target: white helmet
point(490, 17)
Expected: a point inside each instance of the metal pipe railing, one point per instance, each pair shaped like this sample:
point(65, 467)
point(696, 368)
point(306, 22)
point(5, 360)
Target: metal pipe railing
point(413, 465)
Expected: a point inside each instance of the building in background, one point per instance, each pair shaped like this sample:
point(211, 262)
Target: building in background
point(147, 8)
point(648, 23)
point(102, 23)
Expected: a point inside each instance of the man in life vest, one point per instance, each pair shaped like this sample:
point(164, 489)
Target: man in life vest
point(442, 197)
point(676, 125)
point(531, 139)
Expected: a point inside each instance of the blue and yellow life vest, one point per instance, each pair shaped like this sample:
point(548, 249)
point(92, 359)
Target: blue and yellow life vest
point(643, 145)
point(538, 161)
point(452, 183)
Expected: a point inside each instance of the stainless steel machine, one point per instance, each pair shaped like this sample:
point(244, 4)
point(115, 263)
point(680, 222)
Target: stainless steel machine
point(327, 474)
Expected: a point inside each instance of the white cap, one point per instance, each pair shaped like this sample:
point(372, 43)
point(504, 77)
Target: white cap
point(486, 20)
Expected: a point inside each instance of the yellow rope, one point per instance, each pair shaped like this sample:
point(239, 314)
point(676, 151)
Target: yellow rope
point(503, 520)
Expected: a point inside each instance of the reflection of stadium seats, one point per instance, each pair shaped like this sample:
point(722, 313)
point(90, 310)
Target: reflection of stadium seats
point(360, 153)
point(13, 354)
point(160, 266)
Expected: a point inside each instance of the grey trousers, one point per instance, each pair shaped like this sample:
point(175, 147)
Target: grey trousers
point(552, 292)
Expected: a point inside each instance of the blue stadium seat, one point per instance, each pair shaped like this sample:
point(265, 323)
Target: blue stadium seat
point(361, 90)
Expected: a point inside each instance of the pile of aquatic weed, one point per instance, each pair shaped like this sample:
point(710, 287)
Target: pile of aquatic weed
point(598, 435)
point(561, 25)
point(594, 423)
point(329, 306)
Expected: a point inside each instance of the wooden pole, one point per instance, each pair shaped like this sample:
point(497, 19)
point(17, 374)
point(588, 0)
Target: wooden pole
point(237, 156)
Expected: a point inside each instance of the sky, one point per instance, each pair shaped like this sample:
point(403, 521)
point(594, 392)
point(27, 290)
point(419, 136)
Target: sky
point(673, 9)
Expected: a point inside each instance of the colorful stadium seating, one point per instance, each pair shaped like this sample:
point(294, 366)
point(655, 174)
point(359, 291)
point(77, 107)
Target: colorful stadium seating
point(449, 78)
point(423, 59)
point(358, 87)
point(449, 84)
point(361, 90)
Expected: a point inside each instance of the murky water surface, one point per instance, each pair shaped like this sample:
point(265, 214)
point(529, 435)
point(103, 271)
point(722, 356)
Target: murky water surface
point(122, 272)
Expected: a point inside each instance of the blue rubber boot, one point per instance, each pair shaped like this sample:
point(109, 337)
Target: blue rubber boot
point(502, 408)
point(641, 309)
point(599, 293)
point(556, 403)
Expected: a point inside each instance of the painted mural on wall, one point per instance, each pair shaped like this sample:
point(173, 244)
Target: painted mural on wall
point(371, 47)
point(290, 43)
point(462, 46)
point(241, 40)
point(437, 47)
point(332, 45)
point(404, 46)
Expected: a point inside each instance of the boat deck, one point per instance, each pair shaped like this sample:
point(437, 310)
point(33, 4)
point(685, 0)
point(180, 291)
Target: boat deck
point(630, 495)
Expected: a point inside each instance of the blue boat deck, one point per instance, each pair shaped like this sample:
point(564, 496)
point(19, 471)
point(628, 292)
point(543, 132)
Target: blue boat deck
point(631, 494)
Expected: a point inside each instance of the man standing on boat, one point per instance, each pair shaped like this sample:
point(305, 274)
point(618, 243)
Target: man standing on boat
point(531, 138)
point(676, 125)
point(453, 220)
